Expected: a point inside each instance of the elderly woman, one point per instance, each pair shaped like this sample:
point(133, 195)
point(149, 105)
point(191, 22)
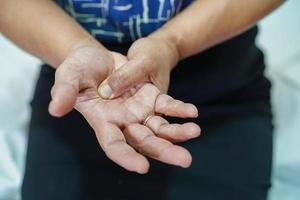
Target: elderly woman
point(114, 61)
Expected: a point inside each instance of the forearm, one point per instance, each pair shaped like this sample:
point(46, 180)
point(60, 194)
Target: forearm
point(209, 22)
point(43, 29)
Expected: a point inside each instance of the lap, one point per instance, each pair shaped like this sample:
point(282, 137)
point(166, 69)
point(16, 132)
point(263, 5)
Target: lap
point(231, 160)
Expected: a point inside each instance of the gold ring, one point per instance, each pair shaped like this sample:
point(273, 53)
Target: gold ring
point(147, 119)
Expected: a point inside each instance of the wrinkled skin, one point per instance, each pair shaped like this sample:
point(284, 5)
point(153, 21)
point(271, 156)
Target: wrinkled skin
point(129, 127)
point(149, 60)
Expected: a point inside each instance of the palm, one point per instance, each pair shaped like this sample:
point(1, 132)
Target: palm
point(120, 120)
point(120, 125)
point(132, 107)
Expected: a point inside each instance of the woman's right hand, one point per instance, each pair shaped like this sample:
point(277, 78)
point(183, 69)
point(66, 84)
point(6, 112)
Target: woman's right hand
point(129, 127)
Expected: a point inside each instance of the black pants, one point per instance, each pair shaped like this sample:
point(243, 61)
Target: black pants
point(231, 160)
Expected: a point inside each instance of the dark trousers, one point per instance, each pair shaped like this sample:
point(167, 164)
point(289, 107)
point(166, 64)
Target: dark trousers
point(231, 160)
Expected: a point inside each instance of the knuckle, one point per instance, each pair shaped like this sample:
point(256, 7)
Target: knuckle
point(146, 63)
point(118, 80)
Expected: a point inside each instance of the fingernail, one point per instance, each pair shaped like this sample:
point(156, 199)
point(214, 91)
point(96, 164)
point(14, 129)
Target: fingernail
point(53, 110)
point(105, 91)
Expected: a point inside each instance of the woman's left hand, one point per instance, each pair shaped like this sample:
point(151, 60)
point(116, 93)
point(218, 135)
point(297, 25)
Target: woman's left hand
point(150, 60)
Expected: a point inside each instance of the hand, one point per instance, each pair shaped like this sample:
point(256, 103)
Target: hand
point(133, 117)
point(150, 60)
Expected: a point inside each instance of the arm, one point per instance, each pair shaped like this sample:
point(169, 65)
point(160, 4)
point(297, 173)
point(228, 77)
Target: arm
point(211, 22)
point(202, 25)
point(43, 29)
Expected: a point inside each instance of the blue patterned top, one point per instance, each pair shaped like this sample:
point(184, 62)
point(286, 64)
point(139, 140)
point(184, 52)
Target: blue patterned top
point(122, 21)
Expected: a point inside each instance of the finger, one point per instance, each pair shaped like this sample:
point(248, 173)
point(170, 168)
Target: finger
point(124, 78)
point(64, 92)
point(144, 141)
point(168, 106)
point(115, 147)
point(173, 132)
point(119, 60)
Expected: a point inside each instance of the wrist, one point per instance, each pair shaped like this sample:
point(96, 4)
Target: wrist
point(173, 42)
point(74, 45)
point(86, 41)
point(91, 42)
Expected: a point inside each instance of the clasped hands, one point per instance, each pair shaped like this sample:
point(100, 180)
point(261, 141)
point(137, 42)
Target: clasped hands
point(123, 99)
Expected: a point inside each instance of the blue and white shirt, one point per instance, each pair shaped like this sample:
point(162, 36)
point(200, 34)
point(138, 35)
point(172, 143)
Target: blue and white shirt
point(122, 21)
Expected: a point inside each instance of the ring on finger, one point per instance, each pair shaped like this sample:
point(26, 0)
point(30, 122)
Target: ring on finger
point(147, 120)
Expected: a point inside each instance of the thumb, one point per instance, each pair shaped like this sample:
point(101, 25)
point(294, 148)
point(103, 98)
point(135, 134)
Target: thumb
point(124, 78)
point(64, 92)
